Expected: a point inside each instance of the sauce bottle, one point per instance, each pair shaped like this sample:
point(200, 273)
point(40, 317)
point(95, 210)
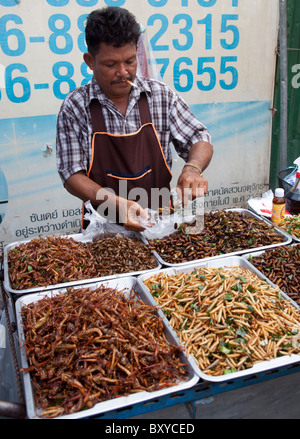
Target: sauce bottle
point(293, 197)
point(278, 209)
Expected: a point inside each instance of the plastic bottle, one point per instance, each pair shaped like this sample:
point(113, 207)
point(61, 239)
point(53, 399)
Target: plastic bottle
point(292, 197)
point(278, 209)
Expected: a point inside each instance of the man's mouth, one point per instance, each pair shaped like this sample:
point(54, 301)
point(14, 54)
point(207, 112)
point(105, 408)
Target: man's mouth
point(123, 81)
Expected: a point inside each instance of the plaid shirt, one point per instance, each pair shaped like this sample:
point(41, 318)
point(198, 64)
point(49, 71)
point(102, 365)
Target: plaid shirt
point(171, 117)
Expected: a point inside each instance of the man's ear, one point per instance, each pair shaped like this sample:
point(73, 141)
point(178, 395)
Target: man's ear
point(88, 58)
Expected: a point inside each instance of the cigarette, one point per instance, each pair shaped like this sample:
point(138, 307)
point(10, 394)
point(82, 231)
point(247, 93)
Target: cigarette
point(131, 83)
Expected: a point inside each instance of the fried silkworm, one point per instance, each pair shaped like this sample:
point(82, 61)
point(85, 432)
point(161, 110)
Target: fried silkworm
point(224, 232)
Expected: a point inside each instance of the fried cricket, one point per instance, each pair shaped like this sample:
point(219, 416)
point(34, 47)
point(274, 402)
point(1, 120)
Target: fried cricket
point(88, 346)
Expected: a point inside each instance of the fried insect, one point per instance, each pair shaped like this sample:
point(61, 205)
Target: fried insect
point(228, 319)
point(49, 261)
point(121, 255)
point(54, 260)
point(291, 224)
point(281, 265)
point(88, 346)
point(224, 232)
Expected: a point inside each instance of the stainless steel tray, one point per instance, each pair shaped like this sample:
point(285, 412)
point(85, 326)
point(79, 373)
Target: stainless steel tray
point(287, 239)
point(77, 237)
point(284, 231)
point(126, 285)
point(227, 262)
point(262, 275)
point(295, 238)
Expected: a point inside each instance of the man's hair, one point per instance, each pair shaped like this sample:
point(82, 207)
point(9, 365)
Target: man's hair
point(110, 25)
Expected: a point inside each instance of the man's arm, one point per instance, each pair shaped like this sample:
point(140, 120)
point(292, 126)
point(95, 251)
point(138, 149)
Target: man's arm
point(86, 189)
point(190, 178)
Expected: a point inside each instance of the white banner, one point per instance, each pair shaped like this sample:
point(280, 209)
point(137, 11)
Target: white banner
point(218, 54)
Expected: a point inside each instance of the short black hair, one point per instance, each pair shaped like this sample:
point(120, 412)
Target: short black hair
point(111, 25)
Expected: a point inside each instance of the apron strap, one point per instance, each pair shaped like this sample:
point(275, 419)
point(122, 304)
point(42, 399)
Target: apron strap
point(98, 119)
point(144, 109)
point(98, 123)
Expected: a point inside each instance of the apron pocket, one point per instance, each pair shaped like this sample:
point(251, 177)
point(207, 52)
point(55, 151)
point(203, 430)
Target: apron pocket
point(135, 187)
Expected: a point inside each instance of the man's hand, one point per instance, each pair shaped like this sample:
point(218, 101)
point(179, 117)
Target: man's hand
point(84, 188)
point(131, 213)
point(190, 185)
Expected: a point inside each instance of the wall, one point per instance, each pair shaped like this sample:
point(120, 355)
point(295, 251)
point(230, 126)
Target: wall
point(293, 68)
point(218, 54)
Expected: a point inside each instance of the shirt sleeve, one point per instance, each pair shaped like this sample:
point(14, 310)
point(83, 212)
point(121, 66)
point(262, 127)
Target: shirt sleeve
point(185, 128)
point(71, 135)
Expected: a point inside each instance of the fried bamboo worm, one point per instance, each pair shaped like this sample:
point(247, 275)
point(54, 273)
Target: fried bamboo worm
point(228, 315)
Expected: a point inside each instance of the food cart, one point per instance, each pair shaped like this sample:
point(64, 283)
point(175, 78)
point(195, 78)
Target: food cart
point(198, 384)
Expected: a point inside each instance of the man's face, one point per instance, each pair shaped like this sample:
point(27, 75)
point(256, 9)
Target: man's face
point(112, 66)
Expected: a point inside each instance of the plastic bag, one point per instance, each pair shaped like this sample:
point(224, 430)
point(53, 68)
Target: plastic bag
point(99, 227)
point(156, 227)
point(263, 205)
point(163, 225)
point(160, 226)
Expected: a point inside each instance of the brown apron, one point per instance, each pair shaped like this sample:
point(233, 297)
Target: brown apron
point(125, 162)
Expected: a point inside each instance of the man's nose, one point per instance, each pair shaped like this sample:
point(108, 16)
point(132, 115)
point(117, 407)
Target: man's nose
point(122, 70)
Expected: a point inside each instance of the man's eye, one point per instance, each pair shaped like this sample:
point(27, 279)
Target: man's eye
point(131, 61)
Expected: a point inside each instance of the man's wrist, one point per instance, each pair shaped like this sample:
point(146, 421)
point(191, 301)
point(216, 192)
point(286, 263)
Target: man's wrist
point(193, 165)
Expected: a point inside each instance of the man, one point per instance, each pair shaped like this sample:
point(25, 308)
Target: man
point(113, 134)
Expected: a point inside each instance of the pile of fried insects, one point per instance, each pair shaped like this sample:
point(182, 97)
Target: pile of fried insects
point(87, 346)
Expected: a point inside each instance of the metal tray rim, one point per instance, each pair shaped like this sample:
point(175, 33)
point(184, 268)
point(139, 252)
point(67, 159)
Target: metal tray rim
point(287, 236)
point(226, 262)
point(258, 272)
point(77, 237)
point(112, 404)
point(284, 231)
